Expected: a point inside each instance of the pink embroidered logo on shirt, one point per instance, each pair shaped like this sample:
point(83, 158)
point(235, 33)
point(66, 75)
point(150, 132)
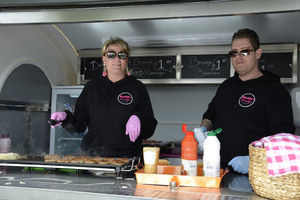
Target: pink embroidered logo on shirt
point(125, 98)
point(247, 100)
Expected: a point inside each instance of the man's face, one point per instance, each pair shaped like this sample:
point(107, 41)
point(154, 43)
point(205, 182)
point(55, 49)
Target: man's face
point(245, 58)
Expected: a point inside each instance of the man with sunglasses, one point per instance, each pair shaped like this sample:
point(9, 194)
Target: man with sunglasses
point(248, 106)
point(115, 107)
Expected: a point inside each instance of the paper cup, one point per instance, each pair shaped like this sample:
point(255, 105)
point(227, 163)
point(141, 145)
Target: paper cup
point(151, 156)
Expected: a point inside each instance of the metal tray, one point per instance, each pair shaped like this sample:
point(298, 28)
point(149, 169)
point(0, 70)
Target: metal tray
point(38, 161)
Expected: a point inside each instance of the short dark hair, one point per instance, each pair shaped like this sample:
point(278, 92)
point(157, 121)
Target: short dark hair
point(247, 33)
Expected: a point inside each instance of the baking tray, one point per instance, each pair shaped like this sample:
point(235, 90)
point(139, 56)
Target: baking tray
point(167, 174)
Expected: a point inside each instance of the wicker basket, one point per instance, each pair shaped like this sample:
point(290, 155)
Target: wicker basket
point(279, 187)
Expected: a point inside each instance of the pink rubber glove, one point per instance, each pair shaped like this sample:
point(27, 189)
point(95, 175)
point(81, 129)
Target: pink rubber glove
point(59, 117)
point(133, 128)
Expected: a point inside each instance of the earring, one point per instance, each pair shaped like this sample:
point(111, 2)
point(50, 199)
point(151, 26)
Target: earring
point(104, 73)
point(127, 71)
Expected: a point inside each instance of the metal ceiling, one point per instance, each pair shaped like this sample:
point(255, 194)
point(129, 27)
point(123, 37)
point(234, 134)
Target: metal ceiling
point(152, 23)
point(67, 4)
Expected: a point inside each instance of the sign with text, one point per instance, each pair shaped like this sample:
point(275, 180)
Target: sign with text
point(278, 63)
point(91, 67)
point(152, 67)
point(205, 66)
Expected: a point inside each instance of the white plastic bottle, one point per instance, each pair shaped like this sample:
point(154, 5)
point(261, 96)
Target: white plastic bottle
point(211, 154)
point(5, 143)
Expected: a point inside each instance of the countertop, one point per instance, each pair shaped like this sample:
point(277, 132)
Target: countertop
point(19, 183)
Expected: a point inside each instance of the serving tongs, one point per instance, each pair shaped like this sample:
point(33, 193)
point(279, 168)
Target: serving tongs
point(53, 122)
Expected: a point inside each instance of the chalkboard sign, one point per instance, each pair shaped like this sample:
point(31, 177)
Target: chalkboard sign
point(91, 67)
point(205, 66)
point(153, 67)
point(193, 66)
point(278, 63)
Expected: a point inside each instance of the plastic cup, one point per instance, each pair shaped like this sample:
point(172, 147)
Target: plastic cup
point(151, 156)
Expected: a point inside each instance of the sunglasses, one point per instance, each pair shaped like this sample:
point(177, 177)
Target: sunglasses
point(112, 54)
point(243, 52)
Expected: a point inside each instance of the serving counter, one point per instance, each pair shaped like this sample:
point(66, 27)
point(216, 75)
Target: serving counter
point(19, 183)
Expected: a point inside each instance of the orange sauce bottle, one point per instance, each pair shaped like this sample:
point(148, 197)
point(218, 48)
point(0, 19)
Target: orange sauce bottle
point(189, 153)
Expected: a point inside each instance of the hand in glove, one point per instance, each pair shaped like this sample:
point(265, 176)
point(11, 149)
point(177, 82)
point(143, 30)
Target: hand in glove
point(58, 117)
point(240, 164)
point(240, 183)
point(133, 128)
point(200, 135)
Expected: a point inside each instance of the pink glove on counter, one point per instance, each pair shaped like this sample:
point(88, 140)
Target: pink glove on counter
point(133, 128)
point(59, 117)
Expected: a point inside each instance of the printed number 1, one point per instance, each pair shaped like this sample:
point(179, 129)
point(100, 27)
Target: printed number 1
point(216, 66)
point(160, 67)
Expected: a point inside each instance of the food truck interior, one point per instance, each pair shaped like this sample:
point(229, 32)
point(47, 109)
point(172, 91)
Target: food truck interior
point(44, 44)
point(179, 49)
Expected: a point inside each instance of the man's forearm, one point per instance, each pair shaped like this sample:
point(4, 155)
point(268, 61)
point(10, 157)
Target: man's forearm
point(207, 124)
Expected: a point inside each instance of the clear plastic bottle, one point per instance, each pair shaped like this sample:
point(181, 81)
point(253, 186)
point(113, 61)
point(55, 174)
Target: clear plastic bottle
point(5, 143)
point(189, 154)
point(211, 154)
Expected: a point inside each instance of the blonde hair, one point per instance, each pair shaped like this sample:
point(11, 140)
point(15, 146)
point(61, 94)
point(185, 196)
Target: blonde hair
point(117, 41)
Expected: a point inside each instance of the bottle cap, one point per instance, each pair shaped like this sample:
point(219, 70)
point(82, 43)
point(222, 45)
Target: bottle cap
point(184, 129)
point(190, 133)
point(214, 133)
point(5, 135)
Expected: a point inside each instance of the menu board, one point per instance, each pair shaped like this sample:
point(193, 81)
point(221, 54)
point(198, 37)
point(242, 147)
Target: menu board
point(193, 66)
point(91, 67)
point(205, 66)
point(278, 63)
point(152, 67)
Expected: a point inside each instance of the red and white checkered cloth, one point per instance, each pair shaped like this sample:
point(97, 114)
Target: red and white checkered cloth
point(283, 153)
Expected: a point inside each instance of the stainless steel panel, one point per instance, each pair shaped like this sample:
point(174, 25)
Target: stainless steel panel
point(155, 11)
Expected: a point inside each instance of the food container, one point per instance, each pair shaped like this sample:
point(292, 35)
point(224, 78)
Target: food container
point(167, 174)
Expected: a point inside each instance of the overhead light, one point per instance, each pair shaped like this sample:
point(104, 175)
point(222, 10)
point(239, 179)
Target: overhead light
point(180, 41)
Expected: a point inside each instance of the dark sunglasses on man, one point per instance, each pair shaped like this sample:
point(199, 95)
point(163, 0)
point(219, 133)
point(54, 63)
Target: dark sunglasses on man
point(243, 52)
point(112, 55)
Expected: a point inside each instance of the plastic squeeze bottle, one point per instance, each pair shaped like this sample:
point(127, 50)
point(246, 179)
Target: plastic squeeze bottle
point(189, 154)
point(5, 143)
point(211, 154)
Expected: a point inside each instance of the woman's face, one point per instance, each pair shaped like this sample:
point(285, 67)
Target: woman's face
point(115, 60)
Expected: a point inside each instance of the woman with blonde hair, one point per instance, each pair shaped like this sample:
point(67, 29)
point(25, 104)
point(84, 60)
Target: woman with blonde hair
point(115, 107)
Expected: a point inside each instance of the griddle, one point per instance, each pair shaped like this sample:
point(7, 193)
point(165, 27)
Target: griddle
point(38, 161)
